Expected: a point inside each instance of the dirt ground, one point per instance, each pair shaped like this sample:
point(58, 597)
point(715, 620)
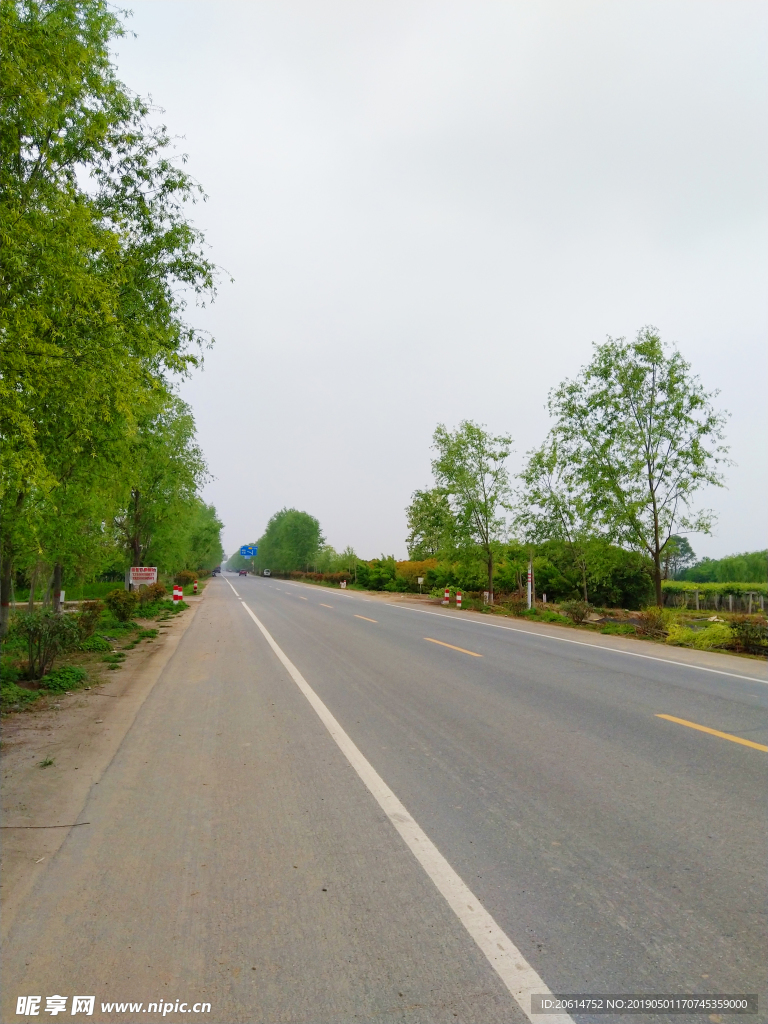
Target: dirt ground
point(80, 733)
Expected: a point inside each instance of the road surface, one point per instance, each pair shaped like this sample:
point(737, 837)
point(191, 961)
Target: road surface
point(335, 809)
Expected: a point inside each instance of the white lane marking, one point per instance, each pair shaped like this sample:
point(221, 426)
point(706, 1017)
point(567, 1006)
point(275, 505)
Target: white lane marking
point(561, 639)
point(337, 593)
point(583, 643)
point(516, 973)
point(233, 589)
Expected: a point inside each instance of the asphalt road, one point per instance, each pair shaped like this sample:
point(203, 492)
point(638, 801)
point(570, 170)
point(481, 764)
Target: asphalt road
point(236, 856)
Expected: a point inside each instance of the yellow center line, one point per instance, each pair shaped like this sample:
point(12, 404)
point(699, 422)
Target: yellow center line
point(366, 618)
point(325, 605)
point(473, 653)
point(715, 732)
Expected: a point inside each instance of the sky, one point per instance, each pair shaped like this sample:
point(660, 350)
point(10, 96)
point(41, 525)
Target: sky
point(426, 212)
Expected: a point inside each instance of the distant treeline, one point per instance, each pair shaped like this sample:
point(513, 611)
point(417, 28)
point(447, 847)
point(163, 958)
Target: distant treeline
point(749, 567)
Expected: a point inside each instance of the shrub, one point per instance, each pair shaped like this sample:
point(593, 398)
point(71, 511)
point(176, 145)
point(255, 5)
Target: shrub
point(577, 611)
point(717, 635)
point(185, 577)
point(122, 603)
point(46, 635)
point(68, 677)
point(95, 643)
point(654, 622)
point(8, 671)
point(399, 585)
point(153, 592)
point(88, 619)
point(13, 696)
point(163, 609)
point(517, 605)
point(748, 636)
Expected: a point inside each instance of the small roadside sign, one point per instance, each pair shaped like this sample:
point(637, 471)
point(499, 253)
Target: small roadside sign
point(248, 550)
point(142, 575)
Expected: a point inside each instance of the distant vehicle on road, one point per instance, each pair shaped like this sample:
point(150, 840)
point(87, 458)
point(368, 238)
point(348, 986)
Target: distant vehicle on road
point(242, 572)
point(266, 573)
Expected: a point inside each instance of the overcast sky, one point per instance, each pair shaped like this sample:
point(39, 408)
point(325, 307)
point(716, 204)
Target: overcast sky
point(430, 212)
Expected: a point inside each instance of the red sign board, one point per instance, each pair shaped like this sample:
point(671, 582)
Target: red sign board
point(142, 574)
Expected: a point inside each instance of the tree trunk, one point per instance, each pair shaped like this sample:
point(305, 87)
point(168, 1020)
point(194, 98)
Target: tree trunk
point(657, 579)
point(48, 592)
point(5, 593)
point(490, 576)
point(32, 585)
point(6, 562)
point(57, 588)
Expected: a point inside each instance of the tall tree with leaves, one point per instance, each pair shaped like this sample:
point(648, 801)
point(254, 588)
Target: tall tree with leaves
point(470, 469)
point(95, 259)
point(678, 555)
point(640, 435)
point(551, 505)
point(166, 469)
point(429, 522)
point(291, 541)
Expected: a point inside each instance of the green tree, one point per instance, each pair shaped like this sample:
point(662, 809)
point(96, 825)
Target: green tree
point(203, 537)
point(291, 541)
point(552, 505)
point(641, 436)
point(470, 469)
point(166, 469)
point(429, 522)
point(678, 555)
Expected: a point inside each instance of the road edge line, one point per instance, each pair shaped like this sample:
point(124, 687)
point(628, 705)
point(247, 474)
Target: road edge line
point(517, 975)
point(585, 643)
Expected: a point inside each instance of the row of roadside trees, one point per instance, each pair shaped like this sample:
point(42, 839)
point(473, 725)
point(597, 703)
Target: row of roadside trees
point(100, 467)
point(635, 436)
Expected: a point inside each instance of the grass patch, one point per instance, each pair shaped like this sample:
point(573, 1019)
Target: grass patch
point(16, 698)
point(68, 677)
point(618, 629)
point(46, 762)
point(162, 609)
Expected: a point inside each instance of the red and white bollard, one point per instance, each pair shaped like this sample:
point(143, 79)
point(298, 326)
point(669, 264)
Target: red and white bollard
point(458, 599)
point(194, 587)
point(178, 593)
point(447, 596)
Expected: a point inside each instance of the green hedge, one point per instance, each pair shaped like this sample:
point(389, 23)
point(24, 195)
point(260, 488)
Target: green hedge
point(684, 586)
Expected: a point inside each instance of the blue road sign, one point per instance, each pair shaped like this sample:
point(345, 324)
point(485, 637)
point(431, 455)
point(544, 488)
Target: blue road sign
point(247, 551)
